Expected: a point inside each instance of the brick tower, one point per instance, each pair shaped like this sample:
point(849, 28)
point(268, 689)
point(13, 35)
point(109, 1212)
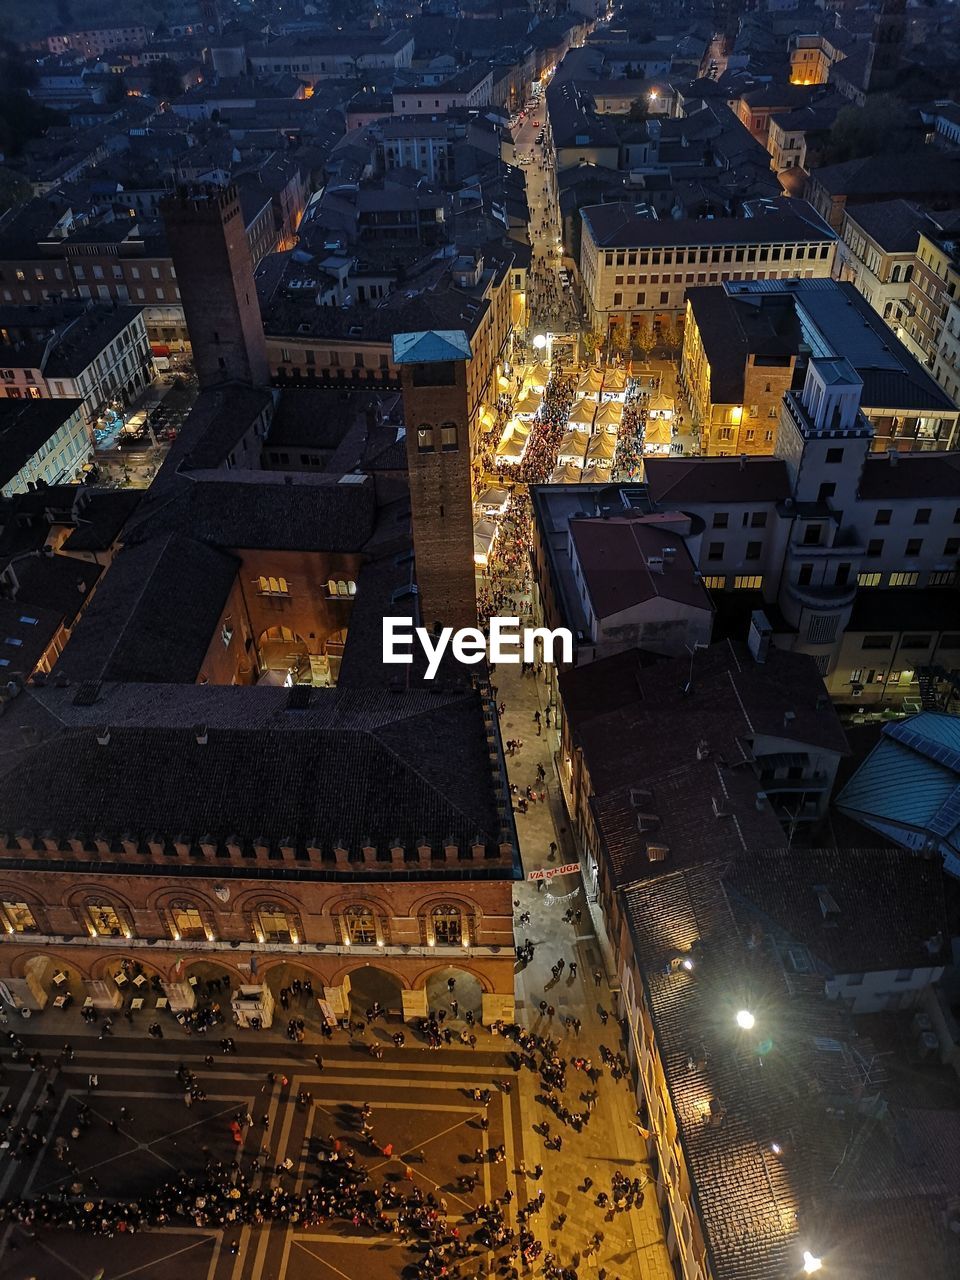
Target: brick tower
point(886, 46)
point(211, 257)
point(433, 369)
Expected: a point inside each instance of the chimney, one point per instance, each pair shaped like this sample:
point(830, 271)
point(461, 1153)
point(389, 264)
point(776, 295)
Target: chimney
point(743, 461)
point(103, 737)
point(788, 718)
point(758, 639)
point(893, 457)
point(200, 733)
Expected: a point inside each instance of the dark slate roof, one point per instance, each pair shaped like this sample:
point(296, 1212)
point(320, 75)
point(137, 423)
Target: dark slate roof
point(351, 766)
point(918, 174)
point(155, 615)
point(910, 475)
point(260, 510)
point(732, 329)
point(32, 627)
point(219, 420)
point(899, 893)
point(641, 729)
point(746, 1196)
point(895, 225)
point(717, 480)
point(316, 418)
point(616, 225)
point(58, 583)
point(25, 427)
point(101, 516)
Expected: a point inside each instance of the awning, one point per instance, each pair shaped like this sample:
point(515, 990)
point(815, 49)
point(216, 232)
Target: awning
point(493, 501)
point(528, 406)
point(609, 414)
point(614, 380)
point(538, 376)
point(573, 447)
point(657, 432)
point(601, 447)
point(582, 413)
point(567, 474)
point(590, 383)
point(484, 536)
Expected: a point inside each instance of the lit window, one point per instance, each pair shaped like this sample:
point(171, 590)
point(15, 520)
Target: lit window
point(868, 579)
point(447, 924)
point(105, 920)
point(904, 579)
point(748, 582)
point(186, 921)
point(359, 926)
point(19, 918)
point(274, 924)
point(715, 583)
point(273, 586)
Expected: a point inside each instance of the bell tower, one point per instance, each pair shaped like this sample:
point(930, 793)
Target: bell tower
point(433, 367)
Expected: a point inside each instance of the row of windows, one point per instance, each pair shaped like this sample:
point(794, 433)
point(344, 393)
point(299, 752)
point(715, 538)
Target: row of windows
point(444, 926)
point(913, 547)
point(948, 640)
point(446, 435)
point(920, 516)
point(742, 582)
point(332, 359)
point(700, 257)
point(717, 550)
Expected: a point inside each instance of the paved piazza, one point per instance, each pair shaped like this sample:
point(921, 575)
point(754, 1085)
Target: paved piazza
point(422, 1104)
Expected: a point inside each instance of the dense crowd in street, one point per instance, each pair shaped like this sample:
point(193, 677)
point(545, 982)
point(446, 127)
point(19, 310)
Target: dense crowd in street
point(257, 1188)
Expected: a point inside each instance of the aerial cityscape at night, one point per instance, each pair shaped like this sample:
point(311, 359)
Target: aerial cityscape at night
point(479, 640)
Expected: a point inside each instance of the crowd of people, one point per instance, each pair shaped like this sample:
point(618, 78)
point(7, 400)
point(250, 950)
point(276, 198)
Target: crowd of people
point(332, 1183)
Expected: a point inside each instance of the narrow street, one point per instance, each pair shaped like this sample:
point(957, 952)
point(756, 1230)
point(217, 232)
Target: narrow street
point(633, 1247)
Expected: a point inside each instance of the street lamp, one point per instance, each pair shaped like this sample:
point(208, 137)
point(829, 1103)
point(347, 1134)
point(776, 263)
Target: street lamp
point(539, 342)
point(811, 1263)
point(745, 1019)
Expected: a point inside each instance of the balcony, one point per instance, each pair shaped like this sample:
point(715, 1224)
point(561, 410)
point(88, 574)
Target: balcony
point(822, 597)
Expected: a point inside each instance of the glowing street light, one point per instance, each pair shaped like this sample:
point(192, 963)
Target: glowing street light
point(745, 1019)
point(539, 342)
point(811, 1263)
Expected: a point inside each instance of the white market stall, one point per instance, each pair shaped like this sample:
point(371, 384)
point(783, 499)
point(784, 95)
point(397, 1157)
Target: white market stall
point(573, 448)
point(528, 405)
point(567, 474)
point(601, 448)
point(614, 382)
point(657, 436)
point(609, 415)
point(660, 406)
point(513, 442)
point(493, 501)
point(589, 383)
point(484, 536)
point(581, 415)
point(537, 377)
point(596, 474)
